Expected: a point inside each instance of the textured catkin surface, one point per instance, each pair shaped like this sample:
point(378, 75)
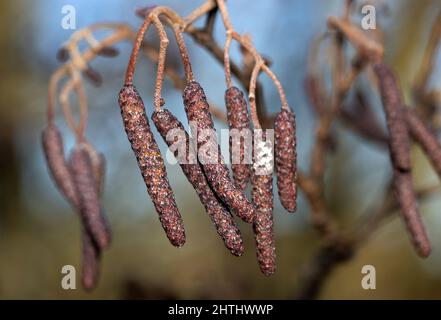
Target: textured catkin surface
point(59, 169)
point(217, 174)
point(392, 104)
point(90, 207)
point(151, 163)
point(286, 158)
point(262, 194)
point(405, 194)
point(90, 260)
point(427, 139)
point(223, 221)
point(237, 115)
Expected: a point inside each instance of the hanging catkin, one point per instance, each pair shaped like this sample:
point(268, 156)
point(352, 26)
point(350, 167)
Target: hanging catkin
point(151, 163)
point(262, 194)
point(90, 207)
point(237, 115)
point(405, 195)
point(165, 122)
point(426, 138)
point(399, 137)
point(196, 107)
point(286, 158)
point(400, 154)
point(58, 168)
point(90, 260)
point(61, 172)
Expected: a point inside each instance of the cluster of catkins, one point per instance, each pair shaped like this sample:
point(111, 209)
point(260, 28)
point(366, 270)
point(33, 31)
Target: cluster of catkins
point(80, 179)
point(220, 195)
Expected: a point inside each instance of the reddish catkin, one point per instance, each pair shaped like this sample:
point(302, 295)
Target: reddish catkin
point(405, 195)
point(286, 158)
point(223, 221)
point(91, 254)
point(90, 207)
point(392, 104)
point(90, 260)
point(262, 194)
point(58, 168)
point(217, 174)
point(61, 172)
point(151, 163)
point(426, 138)
point(237, 115)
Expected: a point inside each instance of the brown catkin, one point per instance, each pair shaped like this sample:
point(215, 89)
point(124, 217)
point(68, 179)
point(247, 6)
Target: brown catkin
point(217, 174)
point(392, 104)
point(90, 207)
point(151, 163)
point(262, 194)
point(426, 138)
point(223, 221)
point(91, 254)
point(62, 174)
point(286, 158)
point(405, 195)
point(58, 168)
point(237, 115)
point(90, 260)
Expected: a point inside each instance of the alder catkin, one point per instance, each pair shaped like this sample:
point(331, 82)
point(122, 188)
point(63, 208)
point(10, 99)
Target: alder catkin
point(217, 174)
point(237, 115)
point(223, 221)
point(151, 163)
point(405, 195)
point(90, 207)
point(396, 123)
point(90, 260)
point(58, 168)
point(262, 195)
point(286, 158)
point(426, 138)
point(91, 254)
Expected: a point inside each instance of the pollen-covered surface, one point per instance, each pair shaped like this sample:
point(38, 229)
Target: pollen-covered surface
point(151, 163)
point(262, 195)
point(405, 194)
point(59, 169)
point(217, 174)
point(223, 221)
point(89, 205)
point(286, 158)
point(237, 115)
point(392, 104)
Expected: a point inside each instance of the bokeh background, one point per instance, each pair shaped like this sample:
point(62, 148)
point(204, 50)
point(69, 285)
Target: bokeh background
point(39, 232)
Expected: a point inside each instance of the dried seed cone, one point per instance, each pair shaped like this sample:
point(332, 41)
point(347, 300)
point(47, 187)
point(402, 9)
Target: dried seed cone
point(89, 206)
point(223, 221)
point(262, 194)
point(286, 158)
point(151, 163)
point(196, 107)
point(91, 256)
point(426, 138)
point(396, 123)
point(405, 195)
point(60, 171)
point(237, 115)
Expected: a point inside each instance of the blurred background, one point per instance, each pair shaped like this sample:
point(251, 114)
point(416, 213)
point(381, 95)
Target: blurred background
point(39, 232)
